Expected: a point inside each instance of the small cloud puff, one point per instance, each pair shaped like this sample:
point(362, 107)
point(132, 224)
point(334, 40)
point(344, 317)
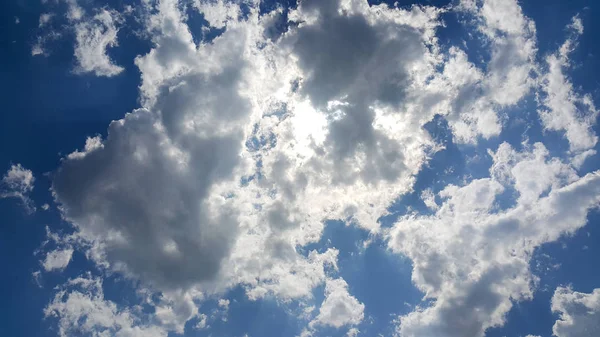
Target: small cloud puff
point(18, 182)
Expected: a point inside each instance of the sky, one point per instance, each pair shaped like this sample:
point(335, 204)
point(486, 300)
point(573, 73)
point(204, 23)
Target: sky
point(315, 168)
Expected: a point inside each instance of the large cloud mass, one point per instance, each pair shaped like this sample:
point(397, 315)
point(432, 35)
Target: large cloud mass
point(245, 145)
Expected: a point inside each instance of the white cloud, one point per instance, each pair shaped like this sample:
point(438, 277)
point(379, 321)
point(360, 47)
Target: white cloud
point(57, 259)
point(37, 49)
point(579, 313)
point(202, 322)
point(507, 78)
point(339, 307)
point(563, 108)
point(576, 25)
point(18, 179)
point(513, 50)
point(45, 19)
point(74, 11)
point(473, 256)
point(57, 250)
point(223, 309)
point(224, 304)
point(218, 13)
point(353, 332)
point(81, 308)
point(175, 308)
point(429, 199)
point(94, 35)
point(243, 147)
point(201, 105)
point(37, 277)
point(354, 122)
point(93, 38)
point(161, 177)
point(18, 182)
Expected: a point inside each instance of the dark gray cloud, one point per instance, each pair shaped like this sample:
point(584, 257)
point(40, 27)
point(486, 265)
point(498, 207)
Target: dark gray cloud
point(142, 194)
point(346, 58)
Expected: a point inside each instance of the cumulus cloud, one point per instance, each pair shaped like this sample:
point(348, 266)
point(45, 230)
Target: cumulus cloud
point(81, 308)
point(183, 150)
point(57, 250)
point(58, 259)
point(472, 256)
point(202, 322)
point(170, 173)
point(218, 13)
point(111, 209)
point(353, 332)
point(93, 38)
point(579, 313)
point(348, 122)
point(18, 182)
point(94, 35)
point(74, 11)
point(224, 307)
point(244, 146)
point(482, 94)
point(174, 309)
point(37, 49)
point(563, 108)
point(186, 152)
point(45, 19)
point(339, 307)
point(429, 199)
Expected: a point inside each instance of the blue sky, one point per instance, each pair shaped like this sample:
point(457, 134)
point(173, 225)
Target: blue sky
point(328, 168)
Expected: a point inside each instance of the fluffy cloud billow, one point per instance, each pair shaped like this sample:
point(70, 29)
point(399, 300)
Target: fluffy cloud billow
point(257, 127)
point(18, 182)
